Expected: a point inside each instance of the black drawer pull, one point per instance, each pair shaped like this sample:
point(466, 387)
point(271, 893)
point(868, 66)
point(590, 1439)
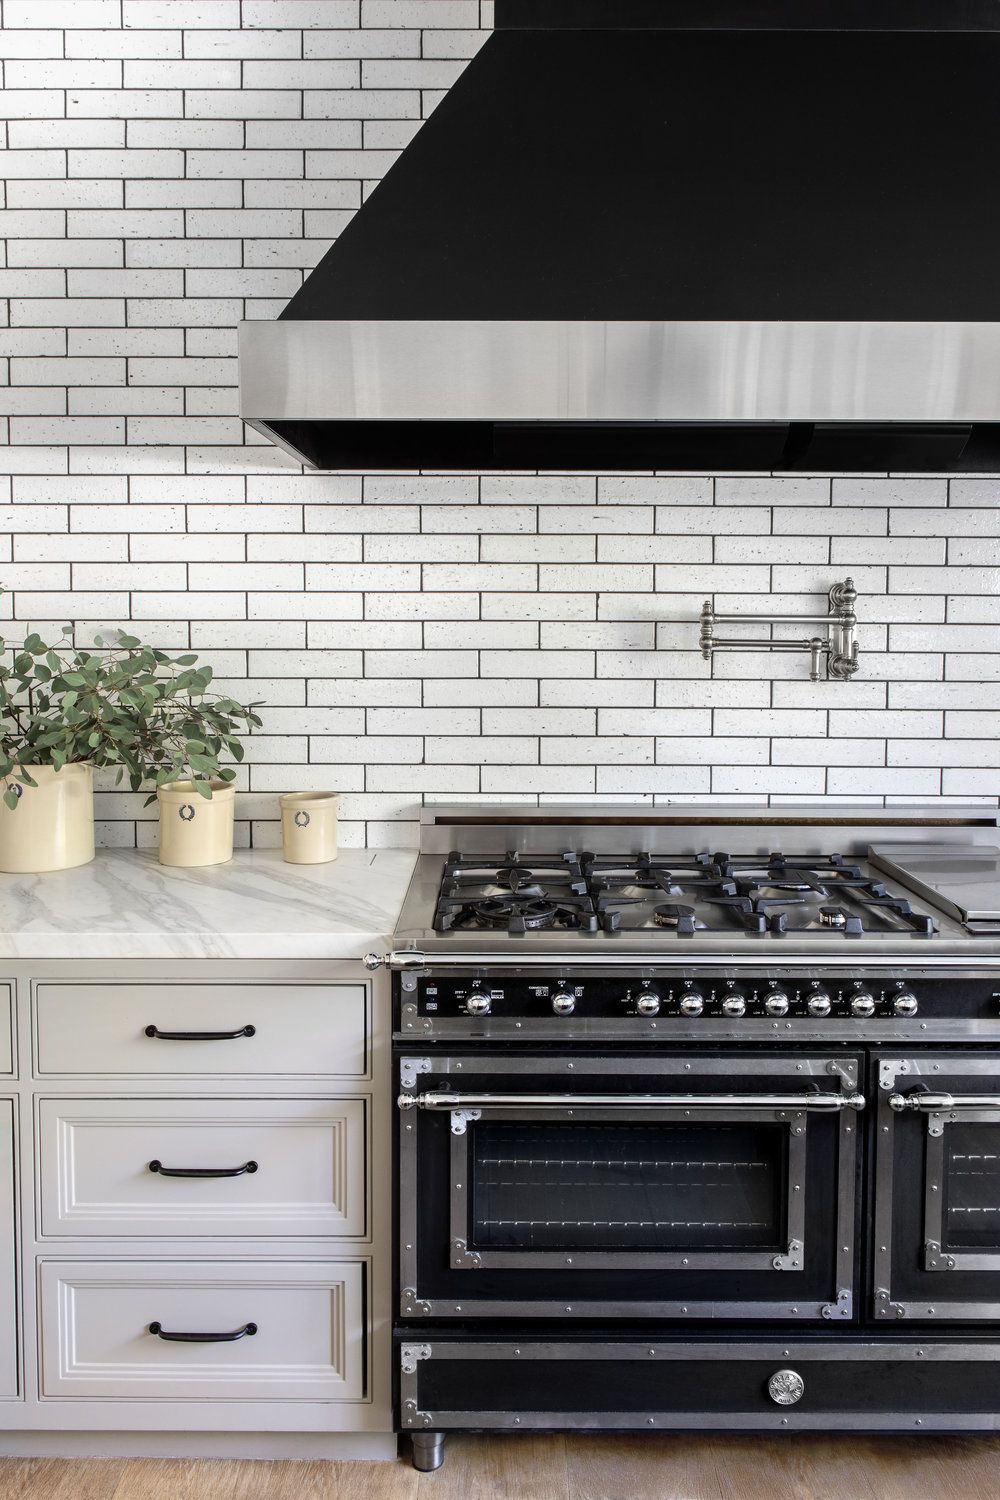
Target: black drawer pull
point(200, 1036)
point(247, 1331)
point(157, 1166)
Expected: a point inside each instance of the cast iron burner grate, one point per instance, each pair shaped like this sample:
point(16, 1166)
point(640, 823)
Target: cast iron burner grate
point(761, 895)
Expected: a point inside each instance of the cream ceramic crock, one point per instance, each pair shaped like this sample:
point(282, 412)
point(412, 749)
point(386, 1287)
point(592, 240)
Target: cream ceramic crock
point(309, 827)
point(193, 829)
point(52, 827)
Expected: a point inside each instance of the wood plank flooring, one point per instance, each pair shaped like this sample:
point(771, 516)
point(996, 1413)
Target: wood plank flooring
point(553, 1467)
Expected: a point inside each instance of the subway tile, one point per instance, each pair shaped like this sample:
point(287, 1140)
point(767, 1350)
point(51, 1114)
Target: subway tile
point(369, 42)
point(890, 492)
point(363, 104)
point(239, 104)
point(663, 490)
point(685, 750)
point(448, 750)
point(464, 693)
point(763, 780)
point(654, 549)
point(415, 636)
point(747, 489)
point(642, 780)
point(184, 13)
point(31, 104)
point(297, 13)
point(124, 104)
point(112, 43)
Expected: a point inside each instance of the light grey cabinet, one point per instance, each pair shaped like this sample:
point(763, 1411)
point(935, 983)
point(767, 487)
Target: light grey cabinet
point(202, 1149)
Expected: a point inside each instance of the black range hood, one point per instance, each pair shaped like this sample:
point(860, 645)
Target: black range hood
point(670, 234)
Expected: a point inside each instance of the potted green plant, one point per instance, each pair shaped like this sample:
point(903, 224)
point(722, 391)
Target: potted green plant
point(151, 717)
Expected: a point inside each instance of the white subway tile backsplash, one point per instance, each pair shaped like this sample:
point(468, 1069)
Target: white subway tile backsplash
point(175, 165)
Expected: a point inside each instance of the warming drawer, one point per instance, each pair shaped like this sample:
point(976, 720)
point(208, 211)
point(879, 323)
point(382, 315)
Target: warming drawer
point(846, 1385)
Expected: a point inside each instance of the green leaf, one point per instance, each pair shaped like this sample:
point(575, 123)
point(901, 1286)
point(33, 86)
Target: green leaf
point(203, 789)
point(11, 798)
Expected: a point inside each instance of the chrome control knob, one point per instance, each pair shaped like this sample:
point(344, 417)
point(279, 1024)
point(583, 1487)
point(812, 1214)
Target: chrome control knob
point(819, 1003)
point(776, 1003)
point(733, 1005)
point(905, 1004)
point(478, 1004)
point(647, 1004)
point(691, 1003)
point(563, 1004)
point(862, 1004)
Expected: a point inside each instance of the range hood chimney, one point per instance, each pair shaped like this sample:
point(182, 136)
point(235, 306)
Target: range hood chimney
point(670, 234)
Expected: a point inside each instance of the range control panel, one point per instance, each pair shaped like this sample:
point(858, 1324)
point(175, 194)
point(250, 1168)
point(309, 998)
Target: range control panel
point(520, 1001)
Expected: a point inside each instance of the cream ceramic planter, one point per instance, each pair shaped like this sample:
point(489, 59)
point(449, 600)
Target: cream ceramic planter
point(309, 827)
point(52, 827)
point(194, 830)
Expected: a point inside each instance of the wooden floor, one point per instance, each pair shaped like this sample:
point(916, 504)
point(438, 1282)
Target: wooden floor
point(553, 1468)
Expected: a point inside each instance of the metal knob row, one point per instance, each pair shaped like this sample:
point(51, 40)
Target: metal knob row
point(692, 1003)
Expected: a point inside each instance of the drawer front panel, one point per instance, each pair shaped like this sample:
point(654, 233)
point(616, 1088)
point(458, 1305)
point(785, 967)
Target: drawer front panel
point(276, 1167)
point(764, 1385)
point(285, 1331)
point(315, 1030)
point(6, 1029)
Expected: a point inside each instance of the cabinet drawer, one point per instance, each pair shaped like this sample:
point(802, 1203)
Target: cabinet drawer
point(6, 1029)
point(315, 1030)
point(307, 1344)
point(295, 1167)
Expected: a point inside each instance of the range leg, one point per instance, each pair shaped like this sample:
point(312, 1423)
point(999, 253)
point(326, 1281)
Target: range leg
point(428, 1451)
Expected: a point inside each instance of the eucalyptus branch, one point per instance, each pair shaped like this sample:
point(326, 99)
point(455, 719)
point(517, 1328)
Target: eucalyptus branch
point(150, 716)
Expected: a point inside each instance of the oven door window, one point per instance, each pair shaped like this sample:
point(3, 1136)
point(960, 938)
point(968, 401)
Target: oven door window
point(970, 1187)
point(659, 1187)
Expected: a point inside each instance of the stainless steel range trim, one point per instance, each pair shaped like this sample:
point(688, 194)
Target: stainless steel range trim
point(878, 1031)
point(790, 1258)
point(824, 1065)
point(820, 958)
point(414, 1305)
point(603, 371)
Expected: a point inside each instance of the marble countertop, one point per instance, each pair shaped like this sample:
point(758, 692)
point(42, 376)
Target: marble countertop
point(127, 905)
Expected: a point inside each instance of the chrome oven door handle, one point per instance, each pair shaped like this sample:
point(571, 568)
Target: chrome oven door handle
point(932, 1104)
point(817, 1102)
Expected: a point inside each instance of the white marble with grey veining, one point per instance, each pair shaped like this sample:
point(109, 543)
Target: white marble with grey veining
point(127, 905)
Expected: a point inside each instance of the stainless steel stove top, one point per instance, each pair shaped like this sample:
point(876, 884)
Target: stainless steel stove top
point(695, 881)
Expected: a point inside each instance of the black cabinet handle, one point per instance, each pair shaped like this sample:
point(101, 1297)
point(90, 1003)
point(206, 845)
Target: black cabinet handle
point(247, 1331)
point(200, 1036)
point(157, 1166)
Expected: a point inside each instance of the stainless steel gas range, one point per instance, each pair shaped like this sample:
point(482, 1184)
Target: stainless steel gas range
point(698, 1120)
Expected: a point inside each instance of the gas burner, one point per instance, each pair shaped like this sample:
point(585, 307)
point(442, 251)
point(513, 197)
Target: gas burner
point(760, 895)
point(533, 914)
point(681, 917)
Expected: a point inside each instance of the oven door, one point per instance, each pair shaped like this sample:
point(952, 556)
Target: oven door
point(937, 1246)
point(654, 1187)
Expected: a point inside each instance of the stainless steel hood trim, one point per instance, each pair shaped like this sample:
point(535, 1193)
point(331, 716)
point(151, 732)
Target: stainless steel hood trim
point(527, 371)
